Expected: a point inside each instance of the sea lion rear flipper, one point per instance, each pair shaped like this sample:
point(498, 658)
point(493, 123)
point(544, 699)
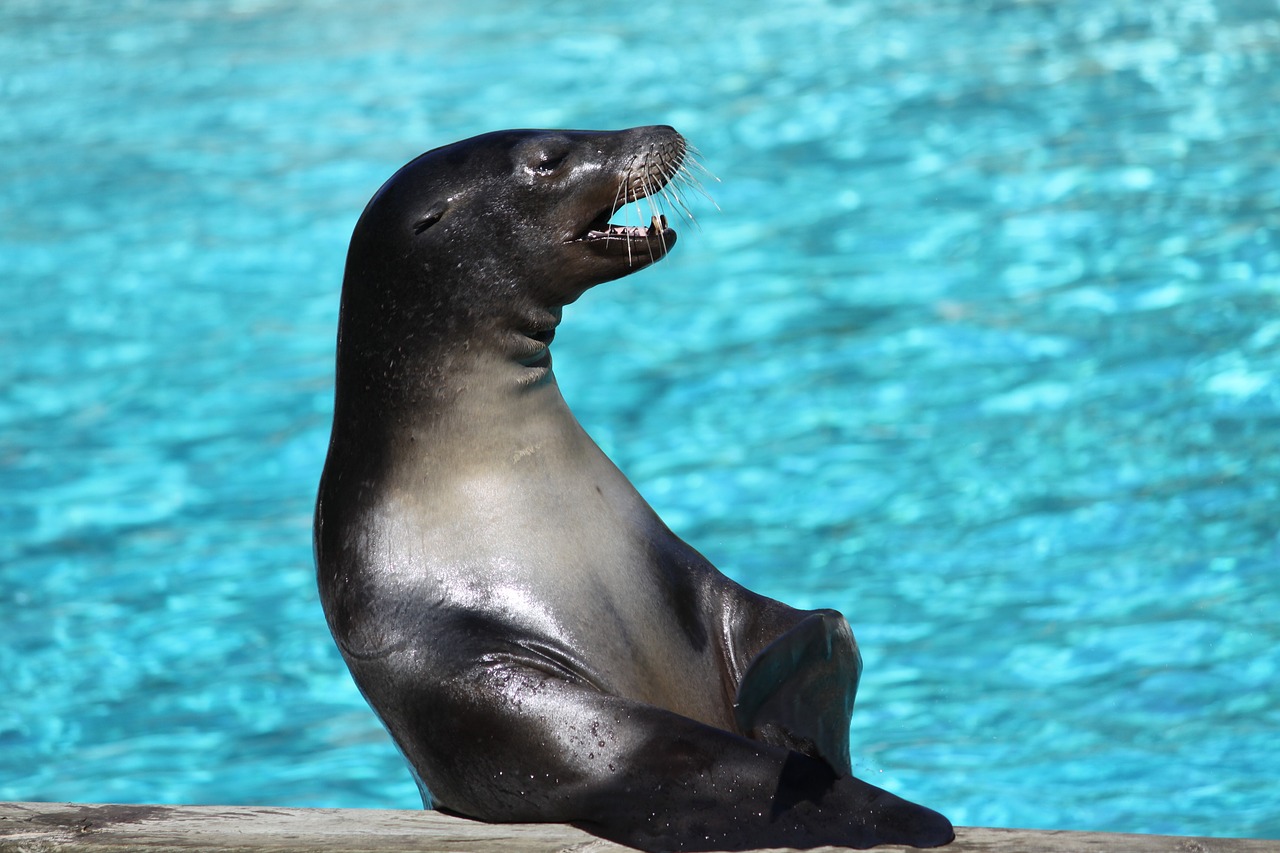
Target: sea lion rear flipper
point(541, 747)
point(798, 691)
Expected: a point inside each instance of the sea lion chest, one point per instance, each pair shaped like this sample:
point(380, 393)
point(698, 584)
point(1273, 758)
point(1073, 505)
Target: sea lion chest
point(546, 554)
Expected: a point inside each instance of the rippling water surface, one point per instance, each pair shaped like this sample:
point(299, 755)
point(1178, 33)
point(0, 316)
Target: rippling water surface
point(982, 348)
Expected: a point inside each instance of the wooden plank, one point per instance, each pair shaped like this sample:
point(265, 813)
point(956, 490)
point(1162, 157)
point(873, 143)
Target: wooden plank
point(47, 827)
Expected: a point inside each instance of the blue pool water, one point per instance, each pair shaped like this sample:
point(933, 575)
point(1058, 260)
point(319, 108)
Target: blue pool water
point(981, 348)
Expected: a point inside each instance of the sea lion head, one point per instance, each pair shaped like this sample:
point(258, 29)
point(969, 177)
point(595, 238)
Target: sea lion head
point(476, 246)
point(522, 209)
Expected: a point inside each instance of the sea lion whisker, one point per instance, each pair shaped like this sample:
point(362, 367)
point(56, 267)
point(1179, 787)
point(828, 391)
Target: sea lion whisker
point(620, 199)
point(674, 193)
point(691, 164)
point(651, 194)
point(686, 178)
point(657, 194)
point(671, 195)
point(668, 190)
point(695, 159)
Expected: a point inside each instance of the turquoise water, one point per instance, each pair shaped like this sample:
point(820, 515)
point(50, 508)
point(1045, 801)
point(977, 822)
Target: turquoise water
point(981, 348)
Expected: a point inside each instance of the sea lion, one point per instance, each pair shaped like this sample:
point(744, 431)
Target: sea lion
point(540, 646)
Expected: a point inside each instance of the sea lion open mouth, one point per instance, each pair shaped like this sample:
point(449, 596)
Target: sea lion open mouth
point(659, 173)
point(603, 229)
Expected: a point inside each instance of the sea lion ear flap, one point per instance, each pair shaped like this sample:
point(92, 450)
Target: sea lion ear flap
point(431, 217)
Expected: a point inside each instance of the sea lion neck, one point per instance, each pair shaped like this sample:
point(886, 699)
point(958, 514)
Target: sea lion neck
point(433, 370)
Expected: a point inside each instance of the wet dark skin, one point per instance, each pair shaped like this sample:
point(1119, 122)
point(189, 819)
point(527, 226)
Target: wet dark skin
point(538, 643)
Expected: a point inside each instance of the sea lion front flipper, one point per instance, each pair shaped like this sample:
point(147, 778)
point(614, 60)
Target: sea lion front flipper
point(798, 691)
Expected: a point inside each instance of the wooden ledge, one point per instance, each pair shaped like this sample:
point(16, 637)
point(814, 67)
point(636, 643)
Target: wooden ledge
point(40, 827)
